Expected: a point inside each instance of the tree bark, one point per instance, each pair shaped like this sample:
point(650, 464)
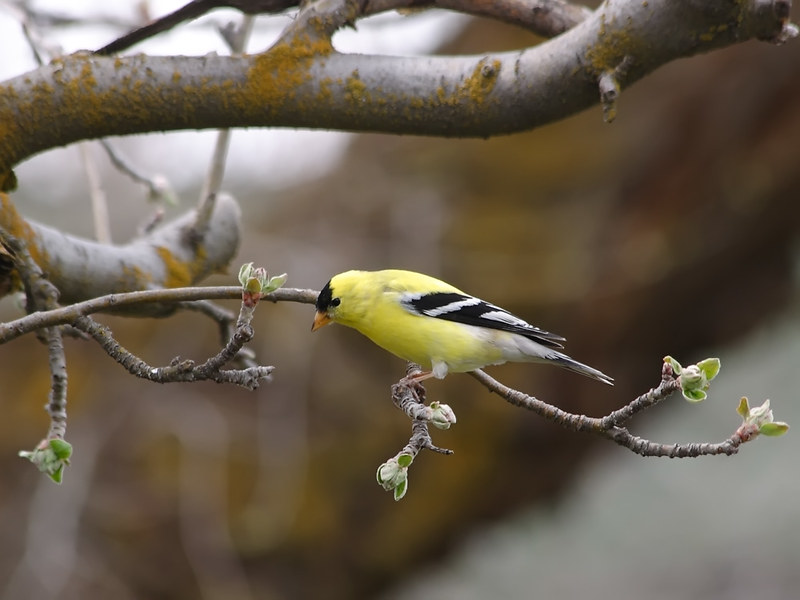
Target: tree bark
point(302, 81)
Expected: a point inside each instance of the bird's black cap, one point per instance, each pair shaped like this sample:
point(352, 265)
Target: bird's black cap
point(324, 299)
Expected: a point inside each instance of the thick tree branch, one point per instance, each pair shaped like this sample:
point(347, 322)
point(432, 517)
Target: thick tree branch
point(303, 82)
point(171, 256)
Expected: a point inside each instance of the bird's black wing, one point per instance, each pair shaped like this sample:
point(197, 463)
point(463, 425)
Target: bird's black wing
point(461, 308)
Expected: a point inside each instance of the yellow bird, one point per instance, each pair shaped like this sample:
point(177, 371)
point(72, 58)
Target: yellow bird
point(439, 327)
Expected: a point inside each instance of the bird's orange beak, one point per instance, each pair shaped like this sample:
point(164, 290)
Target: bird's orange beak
point(320, 320)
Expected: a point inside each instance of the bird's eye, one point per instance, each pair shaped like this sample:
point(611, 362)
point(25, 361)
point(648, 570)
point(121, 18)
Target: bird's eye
point(335, 302)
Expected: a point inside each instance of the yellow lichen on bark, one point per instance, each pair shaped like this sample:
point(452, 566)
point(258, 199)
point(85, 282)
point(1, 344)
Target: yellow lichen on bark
point(712, 32)
point(11, 138)
point(481, 82)
point(179, 273)
point(612, 46)
point(277, 73)
point(325, 95)
point(77, 98)
point(134, 278)
point(13, 223)
point(356, 91)
point(60, 99)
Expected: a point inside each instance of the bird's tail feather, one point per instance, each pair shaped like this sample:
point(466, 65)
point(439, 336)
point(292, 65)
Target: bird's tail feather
point(562, 360)
point(520, 348)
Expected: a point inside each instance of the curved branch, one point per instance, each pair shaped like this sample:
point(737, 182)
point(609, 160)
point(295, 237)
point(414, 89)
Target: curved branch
point(303, 82)
point(608, 426)
point(409, 395)
point(171, 256)
point(68, 314)
point(182, 371)
point(547, 18)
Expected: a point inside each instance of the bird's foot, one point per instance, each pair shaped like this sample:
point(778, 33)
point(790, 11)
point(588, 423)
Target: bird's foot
point(413, 381)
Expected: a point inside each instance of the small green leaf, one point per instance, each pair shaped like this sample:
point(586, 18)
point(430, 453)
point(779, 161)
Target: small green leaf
point(710, 367)
point(405, 460)
point(744, 407)
point(694, 395)
point(244, 272)
point(62, 449)
point(774, 429)
point(676, 366)
point(58, 474)
point(275, 282)
point(401, 490)
point(50, 457)
point(252, 285)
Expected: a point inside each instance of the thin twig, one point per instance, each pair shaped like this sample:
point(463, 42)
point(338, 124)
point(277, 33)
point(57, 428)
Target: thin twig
point(180, 370)
point(57, 400)
point(226, 321)
point(409, 396)
point(546, 18)
point(110, 302)
point(151, 222)
point(421, 440)
point(644, 447)
point(669, 384)
point(543, 409)
point(216, 171)
point(102, 224)
point(158, 186)
point(607, 426)
point(42, 48)
point(42, 295)
point(188, 12)
point(43, 51)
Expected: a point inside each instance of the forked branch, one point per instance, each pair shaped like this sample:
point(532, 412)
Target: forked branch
point(693, 382)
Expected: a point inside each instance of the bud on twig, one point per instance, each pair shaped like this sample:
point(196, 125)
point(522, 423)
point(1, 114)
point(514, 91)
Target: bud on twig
point(393, 474)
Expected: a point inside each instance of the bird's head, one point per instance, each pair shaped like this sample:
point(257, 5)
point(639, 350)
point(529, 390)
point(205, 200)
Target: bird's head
point(327, 305)
point(341, 300)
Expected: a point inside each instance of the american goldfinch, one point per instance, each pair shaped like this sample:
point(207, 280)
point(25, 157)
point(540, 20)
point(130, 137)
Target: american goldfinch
point(436, 325)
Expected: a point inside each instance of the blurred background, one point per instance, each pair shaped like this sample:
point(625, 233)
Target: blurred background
point(672, 231)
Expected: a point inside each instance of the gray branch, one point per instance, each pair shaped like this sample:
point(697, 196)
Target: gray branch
point(69, 314)
point(303, 82)
point(610, 425)
point(171, 256)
